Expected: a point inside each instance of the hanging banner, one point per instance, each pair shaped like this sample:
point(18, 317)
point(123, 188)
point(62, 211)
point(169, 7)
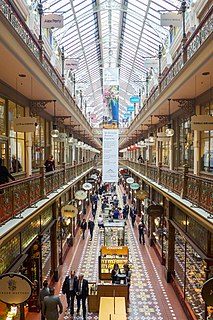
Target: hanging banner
point(127, 115)
point(130, 109)
point(24, 124)
point(202, 122)
point(110, 155)
point(71, 64)
point(171, 19)
point(69, 211)
point(161, 136)
point(50, 21)
point(111, 94)
point(151, 63)
point(134, 99)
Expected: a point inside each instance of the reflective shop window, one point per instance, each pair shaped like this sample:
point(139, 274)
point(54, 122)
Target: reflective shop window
point(16, 139)
point(186, 145)
point(38, 143)
point(2, 117)
point(207, 143)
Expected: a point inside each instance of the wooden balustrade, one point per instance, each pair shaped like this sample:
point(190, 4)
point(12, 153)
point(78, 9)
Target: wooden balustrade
point(196, 189)
point(18, 195)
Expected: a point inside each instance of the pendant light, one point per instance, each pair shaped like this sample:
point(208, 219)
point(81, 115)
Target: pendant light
point(70, 138)
point(54, 132)
point(169, 131)
point(151, 135)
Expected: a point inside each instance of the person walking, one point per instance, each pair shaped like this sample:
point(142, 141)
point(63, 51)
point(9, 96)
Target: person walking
point(82, 294)
point(83, 228)
point(4, 174)
point(91, 226)
point(51, 305)
point(16, 165)
point(50, 164)
point(43, 293)
point(141, 227)
point(69, 288)
point(124, 199)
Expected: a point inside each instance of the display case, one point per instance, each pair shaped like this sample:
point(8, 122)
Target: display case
point(92, 297)
point(114, 233)
point(109, 256)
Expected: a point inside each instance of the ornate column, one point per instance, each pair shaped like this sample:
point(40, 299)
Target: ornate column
point(171, 245)
point(54, 244)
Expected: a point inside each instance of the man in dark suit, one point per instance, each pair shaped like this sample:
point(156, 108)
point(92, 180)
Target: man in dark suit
point(83, 227)
point(51, 305)
point(81, 294)
point(43, 293)
point(4, 173)
point(69, 288)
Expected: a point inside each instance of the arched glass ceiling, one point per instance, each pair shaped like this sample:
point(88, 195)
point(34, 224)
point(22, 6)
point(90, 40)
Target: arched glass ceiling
point(110, 33)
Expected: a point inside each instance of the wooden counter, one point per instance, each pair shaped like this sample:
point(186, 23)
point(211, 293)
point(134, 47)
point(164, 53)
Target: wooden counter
point(106, 308)
point(113, 290)
point(120, 305)
point(93, 303)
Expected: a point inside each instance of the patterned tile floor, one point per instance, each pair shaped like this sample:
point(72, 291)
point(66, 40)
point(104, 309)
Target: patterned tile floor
point(151, 298)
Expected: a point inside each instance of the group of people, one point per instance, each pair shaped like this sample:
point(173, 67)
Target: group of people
point(90, 226)
point(75, 287)
point(116, 274)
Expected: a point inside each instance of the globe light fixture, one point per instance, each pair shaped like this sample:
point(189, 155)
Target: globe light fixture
point(169, 131)
point(54, 132)
point(151, 135)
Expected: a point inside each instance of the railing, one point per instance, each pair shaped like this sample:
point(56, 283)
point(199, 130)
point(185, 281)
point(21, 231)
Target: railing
point(19, 195)
point(197, 190)
point(10, 12)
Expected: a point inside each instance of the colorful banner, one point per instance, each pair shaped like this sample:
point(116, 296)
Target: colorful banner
point(111, 94)
point(110, 155)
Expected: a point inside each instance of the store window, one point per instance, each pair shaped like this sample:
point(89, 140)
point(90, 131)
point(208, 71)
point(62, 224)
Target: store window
point(38, 143)
point(2, 118)
point(190, 274)
point(207, 143)
point(16, 139)
point(186, 147)
point(165, 153)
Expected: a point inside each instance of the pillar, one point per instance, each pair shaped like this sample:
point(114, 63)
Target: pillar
point(171, 154)
point(197, 146)
point(170, 257)
point(28, 154)
point(54, 244)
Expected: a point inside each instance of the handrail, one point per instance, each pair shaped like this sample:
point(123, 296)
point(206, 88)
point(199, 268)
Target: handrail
point(18, 195)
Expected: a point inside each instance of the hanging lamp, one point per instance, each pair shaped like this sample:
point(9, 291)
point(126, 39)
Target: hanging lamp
point(169, 131)
point(54, 132)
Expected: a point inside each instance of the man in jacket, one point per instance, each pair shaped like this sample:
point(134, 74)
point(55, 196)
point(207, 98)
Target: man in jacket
point(4, 174)
point(83, 227)
point(43, 293)
point(81, 294)
point(91, 227)
point(51, 305)
point(69, 288)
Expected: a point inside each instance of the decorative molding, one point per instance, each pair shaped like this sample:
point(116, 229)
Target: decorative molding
point(36, 106)
point(186, 104)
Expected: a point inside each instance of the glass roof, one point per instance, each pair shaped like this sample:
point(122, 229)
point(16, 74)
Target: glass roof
point(110, 34)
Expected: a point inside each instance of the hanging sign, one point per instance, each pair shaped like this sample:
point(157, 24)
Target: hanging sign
point(171, 19)
point(134, 186)
point(71, 64)
point(202, 122)
point(141, 195)
point(69, 211)
point(87, 186)
point(134, 99)
point(150, 63)
point(24, 124)
point(94, 176)
point(80, 195)
point(207, 292)
point(15, 288)
point(127, 115)
point(130, 180)
point(50, 21)
point(161, 136)
point(61, 137)
point(110, 155)
point(130, 109)
point(155, 210)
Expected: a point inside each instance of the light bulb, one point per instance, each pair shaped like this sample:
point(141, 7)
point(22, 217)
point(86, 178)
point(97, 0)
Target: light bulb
point(169, 131)
point(151, 137)
point(70, 140)
point(54, 132)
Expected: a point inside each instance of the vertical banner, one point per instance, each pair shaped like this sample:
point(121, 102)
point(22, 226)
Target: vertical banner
point(110, 155)
point(111, 94)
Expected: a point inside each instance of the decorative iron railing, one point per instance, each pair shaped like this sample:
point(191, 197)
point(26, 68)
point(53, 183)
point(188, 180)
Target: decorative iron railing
point(18, 195)
point(196, 189)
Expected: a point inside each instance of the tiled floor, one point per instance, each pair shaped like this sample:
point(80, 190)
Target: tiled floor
point(151, 297)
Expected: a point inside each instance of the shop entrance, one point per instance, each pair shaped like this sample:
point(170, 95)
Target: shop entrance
point(3, 151)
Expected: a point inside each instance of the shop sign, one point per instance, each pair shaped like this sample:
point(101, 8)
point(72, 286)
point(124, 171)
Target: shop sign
point(202, 123)
point(24, 124)
point(134, 186)
point(150, 63)
point(127, 115)
point(69, 211)
point(141, 195)
point(61, 137)
point(91, 181)
point(130, 109)
point(130, 180)
point(87, 186)
point(155, 210)
point(94, 176)
point(134, 99)
point(171, 19)
point(14, 288)
point(71, 64)
point(207, 292)
point(50, 21)
point(80, 195)
point(161, 136)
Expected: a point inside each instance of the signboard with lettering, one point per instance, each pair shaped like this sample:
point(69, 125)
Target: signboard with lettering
point(69, 211)
point(52, 21)
point(80, 195)
point(171, 19)
point(141, 195)
point(127, 115)
point(130, 109)
point(71, 64)
point(87, 186)
point(134, 99)
point(129, 180)
point(14, 288)
point(202, 122)
point(207, 292)
point(155, 210)
point(134, 186)
point(24, 124)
